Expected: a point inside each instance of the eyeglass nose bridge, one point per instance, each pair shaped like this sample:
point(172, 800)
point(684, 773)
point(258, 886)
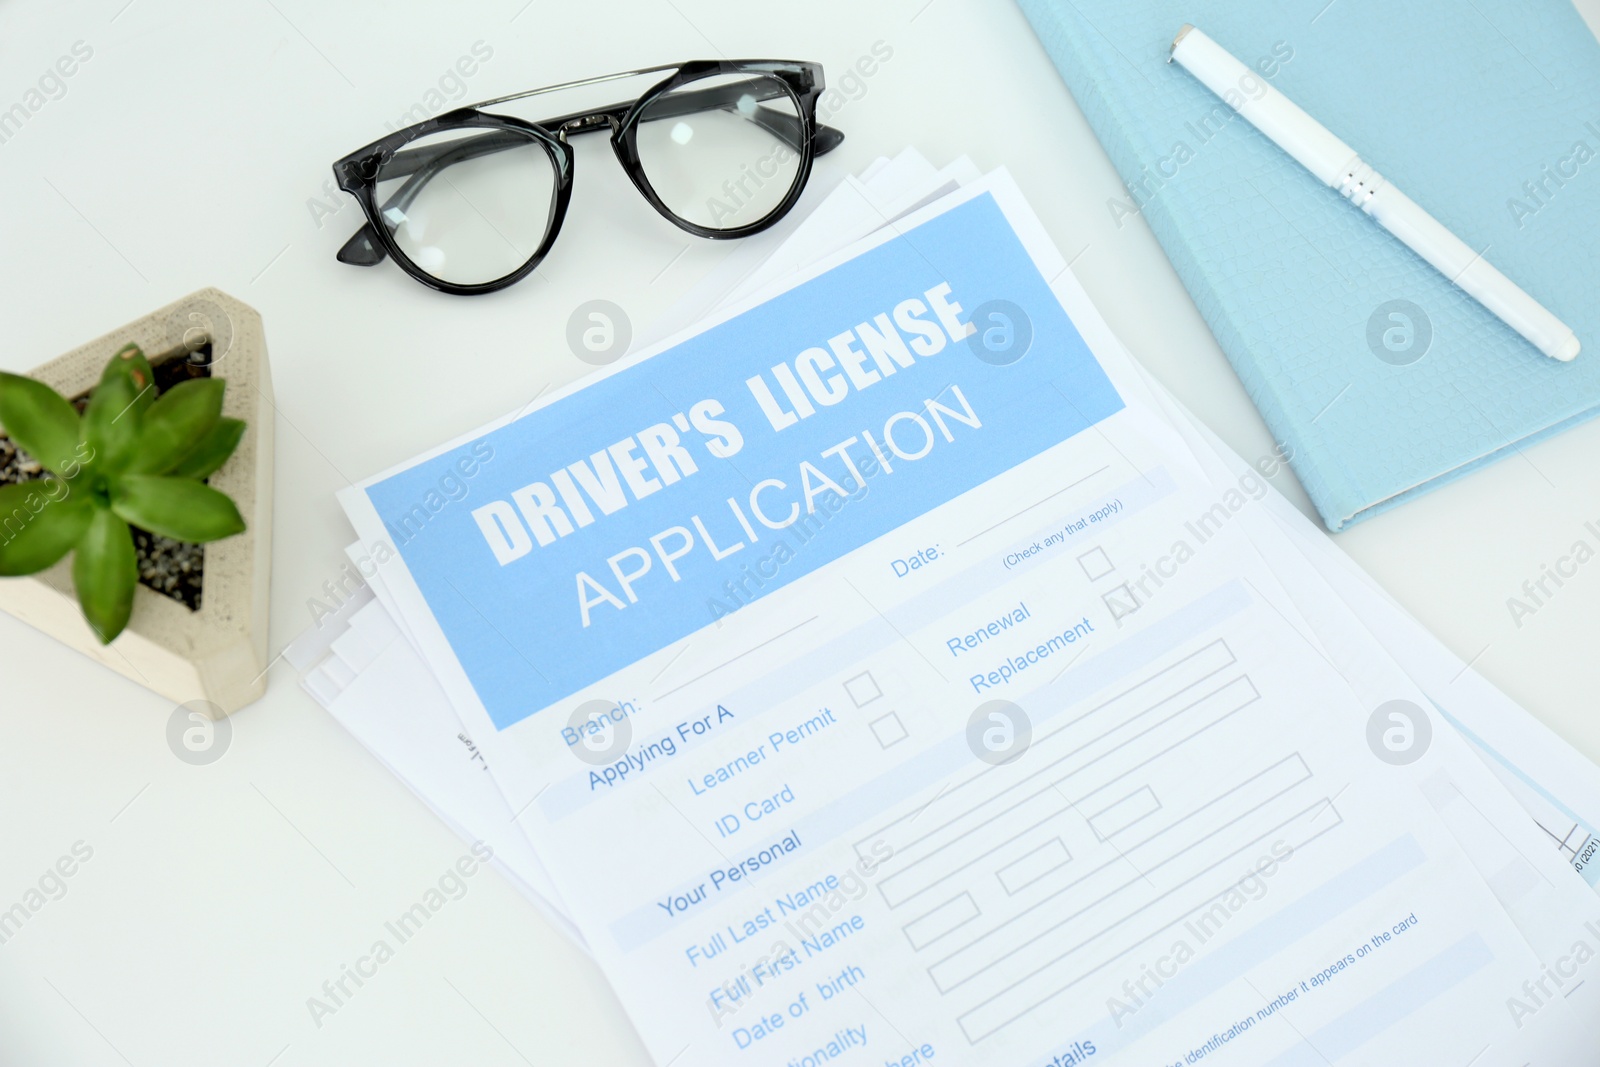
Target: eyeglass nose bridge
point(587, 123)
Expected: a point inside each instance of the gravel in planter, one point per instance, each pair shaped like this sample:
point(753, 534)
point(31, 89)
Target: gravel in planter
point(174, 569)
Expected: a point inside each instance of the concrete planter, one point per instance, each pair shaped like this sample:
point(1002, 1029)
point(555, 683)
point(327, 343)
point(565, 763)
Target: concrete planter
point(216, 655)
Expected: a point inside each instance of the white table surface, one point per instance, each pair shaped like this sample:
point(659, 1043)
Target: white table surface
point(187, 152)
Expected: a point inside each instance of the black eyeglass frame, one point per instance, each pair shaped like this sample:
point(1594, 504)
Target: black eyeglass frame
point(358, 173)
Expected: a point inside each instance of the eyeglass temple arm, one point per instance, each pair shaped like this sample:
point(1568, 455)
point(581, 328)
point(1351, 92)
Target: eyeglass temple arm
point(423, 164)
point(787, 128)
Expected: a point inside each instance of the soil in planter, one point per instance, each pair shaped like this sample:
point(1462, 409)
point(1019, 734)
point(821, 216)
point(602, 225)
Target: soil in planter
point(175, 569)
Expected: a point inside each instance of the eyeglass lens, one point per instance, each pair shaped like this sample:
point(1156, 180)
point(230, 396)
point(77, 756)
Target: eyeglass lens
point(471, 205)
point(722, 152)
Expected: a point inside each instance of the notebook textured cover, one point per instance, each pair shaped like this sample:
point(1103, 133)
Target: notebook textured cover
point(1383, 378)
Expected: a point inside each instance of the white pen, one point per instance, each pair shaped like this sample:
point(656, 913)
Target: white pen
point(1337, 164)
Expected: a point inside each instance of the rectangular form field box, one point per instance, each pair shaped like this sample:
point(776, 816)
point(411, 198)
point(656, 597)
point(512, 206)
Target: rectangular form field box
point(1048, 857)
point(949, 916)
point(1124, 813)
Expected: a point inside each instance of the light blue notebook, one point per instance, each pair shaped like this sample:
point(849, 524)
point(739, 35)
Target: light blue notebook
point(1488, 115)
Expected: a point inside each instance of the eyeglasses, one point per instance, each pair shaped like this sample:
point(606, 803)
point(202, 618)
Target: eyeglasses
point(470, 202)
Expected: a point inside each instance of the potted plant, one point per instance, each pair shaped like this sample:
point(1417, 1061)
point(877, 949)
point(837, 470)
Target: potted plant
point(135, 501)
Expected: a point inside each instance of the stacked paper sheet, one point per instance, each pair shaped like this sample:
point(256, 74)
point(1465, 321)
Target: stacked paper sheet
point(1025, 723)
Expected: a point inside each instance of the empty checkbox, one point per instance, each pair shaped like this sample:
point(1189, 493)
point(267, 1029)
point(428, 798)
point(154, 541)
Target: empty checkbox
point(863, 689)
point(888, 729)
point(1121, 602)
point(1096, 564)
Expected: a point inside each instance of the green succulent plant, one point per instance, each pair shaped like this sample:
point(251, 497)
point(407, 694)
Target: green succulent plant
point(132, 459)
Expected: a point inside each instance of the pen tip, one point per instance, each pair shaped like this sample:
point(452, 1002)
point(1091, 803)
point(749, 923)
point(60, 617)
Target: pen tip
point(1176, 41)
